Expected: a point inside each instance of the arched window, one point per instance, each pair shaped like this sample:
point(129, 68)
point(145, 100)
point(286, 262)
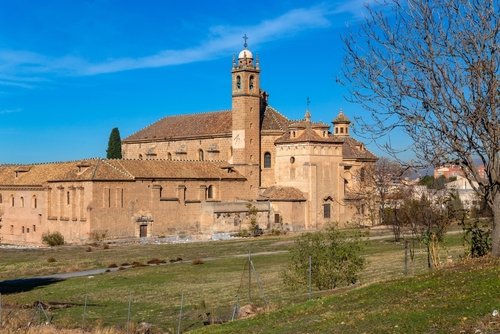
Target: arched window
point(267, 160)
point(140, 156)
point(169, 156)
point(200, 155)
point(34, 202)
point(22, 202)
point(68, 202)
point(238, 82)
point(250, 83)
point(210, 192)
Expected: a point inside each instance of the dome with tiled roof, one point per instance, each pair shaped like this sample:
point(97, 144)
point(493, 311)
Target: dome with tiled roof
point(341, 118)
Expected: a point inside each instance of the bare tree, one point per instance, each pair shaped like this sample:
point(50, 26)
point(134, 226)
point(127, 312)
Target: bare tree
point(377, 186)
point(431, 69)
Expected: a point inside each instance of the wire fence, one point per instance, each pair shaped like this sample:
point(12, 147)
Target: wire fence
point(132, 313)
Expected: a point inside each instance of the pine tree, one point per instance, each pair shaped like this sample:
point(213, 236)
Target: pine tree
point(114, 150)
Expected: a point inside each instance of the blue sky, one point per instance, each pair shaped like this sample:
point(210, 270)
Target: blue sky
point(70, 71)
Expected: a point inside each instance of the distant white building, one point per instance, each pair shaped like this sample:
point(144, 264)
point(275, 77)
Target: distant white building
point(465, 191)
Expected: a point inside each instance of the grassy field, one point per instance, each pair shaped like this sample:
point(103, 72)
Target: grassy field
point(457, 299)
point(154, 292)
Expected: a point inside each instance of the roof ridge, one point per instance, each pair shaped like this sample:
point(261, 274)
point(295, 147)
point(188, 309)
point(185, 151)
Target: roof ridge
point(95, 170)
point(118, 170)
point(274, 117)
point(46, 162)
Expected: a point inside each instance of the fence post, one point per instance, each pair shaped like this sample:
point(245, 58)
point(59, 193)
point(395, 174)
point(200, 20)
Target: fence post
point(309, 278)
point(128, 313)
point(249, 278)
point(180, 315)
point(406, 257)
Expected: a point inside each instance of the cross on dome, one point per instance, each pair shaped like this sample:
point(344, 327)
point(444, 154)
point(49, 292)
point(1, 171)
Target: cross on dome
point(245, 37)
point(245, 53)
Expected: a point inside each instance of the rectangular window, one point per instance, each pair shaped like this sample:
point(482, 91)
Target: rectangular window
point(23, 229)
point(34, 228)
point(326, 210)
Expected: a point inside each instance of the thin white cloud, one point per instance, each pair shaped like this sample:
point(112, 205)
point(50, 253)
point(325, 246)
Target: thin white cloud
point(23, 69)
point(357, 8)
point(223, 39)
point(10, 111)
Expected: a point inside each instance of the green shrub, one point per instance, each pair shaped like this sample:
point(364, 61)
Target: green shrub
point(335, 259)
point(53, 239)
point(478, 239)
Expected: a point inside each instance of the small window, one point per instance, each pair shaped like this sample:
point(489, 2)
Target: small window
point(267, 160)
point(326, 210)
point(140, 156)
point(210, 192)
point(34, 228)
point(169, 156)
point(0, 198)
point(23, 229)
point(200, 155)
point(336, 130)
point(34, 202)
point(238, 82)
point(12, 201)
point(22, 202)
point(341, 130)
point(68, 198)
point(250, 84)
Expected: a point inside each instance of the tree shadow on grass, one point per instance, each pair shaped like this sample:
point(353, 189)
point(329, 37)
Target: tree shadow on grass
point(26, 284)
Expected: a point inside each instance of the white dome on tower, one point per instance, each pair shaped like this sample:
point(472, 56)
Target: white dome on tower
point(245, 54)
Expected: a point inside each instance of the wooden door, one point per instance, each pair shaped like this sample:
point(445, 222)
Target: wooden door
point(143, 233)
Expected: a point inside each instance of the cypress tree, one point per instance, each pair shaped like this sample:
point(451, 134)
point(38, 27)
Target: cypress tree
point(114, 150)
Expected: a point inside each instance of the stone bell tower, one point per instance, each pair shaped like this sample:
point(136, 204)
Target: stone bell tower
point(246, 104)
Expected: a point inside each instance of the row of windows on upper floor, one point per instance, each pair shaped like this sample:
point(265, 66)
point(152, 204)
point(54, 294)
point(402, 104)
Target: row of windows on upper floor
point(34, 200)
point(23, 229)
point(201, 157)
point(12, 201)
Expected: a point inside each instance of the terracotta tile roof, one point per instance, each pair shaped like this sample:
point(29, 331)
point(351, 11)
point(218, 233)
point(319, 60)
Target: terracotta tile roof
point(341, 118)
point(353, 149)
point(272, 120)
point(202, 125)
point(173, 169)
point(279, 193)
point(307, 136)
point(113, 170)
point(32, 175)
point(182, 126)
